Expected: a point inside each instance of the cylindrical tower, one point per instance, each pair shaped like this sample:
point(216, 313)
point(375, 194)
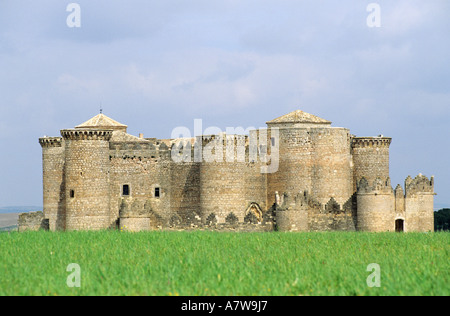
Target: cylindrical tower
point(370, 158)
point(53, 181)
point(419, 204)
point(87, 172)
point(295, 163)
point(376, 206)
point(313, 157)
point(225, 176)
point(331, 171)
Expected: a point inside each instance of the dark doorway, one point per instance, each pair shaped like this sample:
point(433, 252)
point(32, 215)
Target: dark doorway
point(126, 190)
point(399, 225)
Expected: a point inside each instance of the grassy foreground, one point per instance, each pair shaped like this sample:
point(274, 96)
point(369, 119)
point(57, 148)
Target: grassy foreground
point(211, 263)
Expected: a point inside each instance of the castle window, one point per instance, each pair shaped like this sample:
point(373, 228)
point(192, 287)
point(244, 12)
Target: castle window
point(125, 190)
point(157, 193)
point(72, 194)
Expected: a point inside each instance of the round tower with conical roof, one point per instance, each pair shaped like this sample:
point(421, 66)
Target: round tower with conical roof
point(313, 157)
point(87, 173)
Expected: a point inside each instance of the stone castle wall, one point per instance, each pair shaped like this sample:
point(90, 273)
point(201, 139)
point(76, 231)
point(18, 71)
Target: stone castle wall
point(304, 213)
point(53, 160)
point(326, 179)
point(230, 182)
point(32, 221)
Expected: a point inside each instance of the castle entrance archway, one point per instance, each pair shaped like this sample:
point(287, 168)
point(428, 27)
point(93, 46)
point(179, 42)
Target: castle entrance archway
point(399, 225)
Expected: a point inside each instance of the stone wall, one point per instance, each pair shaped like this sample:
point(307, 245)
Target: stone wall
point(419, 204)
point(97, 178)
point(229, 182)
point(33, 221)
point(53, 160)
point(305, 213)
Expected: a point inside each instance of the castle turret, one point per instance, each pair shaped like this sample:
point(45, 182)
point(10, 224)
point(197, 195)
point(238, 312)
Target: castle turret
point(313, 157)
point(419, 204)
point(370, 158)
point(376, 206)
point(87, 171)
point(292, 214)
point(53, 181)
point(229, 183)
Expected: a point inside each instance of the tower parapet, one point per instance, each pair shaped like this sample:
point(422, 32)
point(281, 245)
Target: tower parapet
point(370, 158)
point(84, 134)
point(419, 185)
point(47, 142)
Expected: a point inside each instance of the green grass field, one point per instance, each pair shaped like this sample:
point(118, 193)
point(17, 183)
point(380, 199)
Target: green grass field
point(211, 263)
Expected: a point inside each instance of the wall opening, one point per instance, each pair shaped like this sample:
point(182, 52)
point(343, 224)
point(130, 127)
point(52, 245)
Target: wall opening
point(72, 194)
point(399, 225)
point(157, 192)
point(125, 190)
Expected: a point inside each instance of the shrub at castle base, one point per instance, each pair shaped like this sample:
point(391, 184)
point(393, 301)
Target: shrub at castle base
point(97, 176)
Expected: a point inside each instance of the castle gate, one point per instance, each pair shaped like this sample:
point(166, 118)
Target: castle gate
point(399, 225)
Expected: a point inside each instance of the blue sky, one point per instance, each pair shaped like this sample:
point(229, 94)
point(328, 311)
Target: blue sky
point(156, 65)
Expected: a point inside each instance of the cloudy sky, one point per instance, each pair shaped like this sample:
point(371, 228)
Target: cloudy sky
point(156, 65)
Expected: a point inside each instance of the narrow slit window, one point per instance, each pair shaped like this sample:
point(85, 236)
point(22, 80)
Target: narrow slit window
point(157, 193)
point(126, 190)
point(72, 194)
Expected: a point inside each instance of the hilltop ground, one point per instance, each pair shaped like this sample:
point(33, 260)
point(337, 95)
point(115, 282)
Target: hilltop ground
point(8, 221)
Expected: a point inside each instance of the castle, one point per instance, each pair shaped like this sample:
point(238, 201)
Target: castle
point(97, 176)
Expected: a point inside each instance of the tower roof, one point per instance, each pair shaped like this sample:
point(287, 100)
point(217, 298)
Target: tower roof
point(101, 121)
point(301, 117)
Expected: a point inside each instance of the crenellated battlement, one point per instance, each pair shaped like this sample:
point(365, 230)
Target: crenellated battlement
point(218, 148)
point(140, 150)
point(81, 134)
point(305, 213)
point(306, 202)
point(369, 142)
point(378, 186)
point(419, 185)
point(50, 142)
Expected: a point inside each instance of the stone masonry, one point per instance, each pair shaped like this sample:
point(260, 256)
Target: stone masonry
point(97, 176)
